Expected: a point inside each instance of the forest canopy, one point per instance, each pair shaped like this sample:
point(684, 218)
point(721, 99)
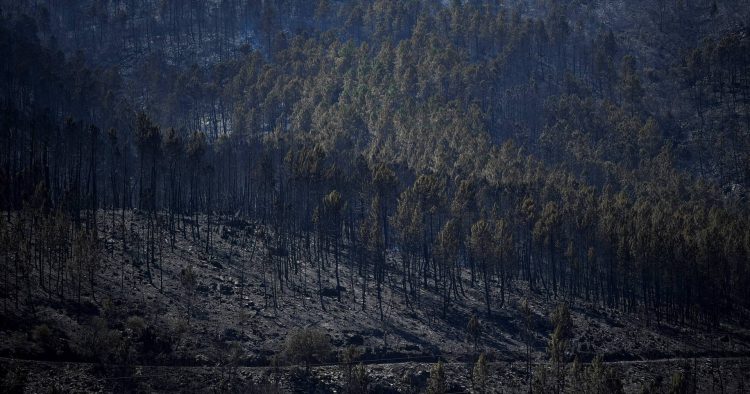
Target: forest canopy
point(539, 141)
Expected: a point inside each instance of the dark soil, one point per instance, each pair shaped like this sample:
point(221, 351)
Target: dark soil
point(181, 354)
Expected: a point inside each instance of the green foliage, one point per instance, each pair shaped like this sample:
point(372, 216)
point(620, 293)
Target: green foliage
point(148, 135)
point(307, 346)
point(679, 384)
point(480, 375)
point(229, 380)
point(437, 384)
point(361, 380)
point(136, 325)
point(458, 110)
point(558, 343)
point(575, 374)
point(187, 279)
point(541, 381)
point(347, 357)
point(474, 329)
point(42, 335)
point(562, 322)
point(97, 342)
point(601, 379)
point(616, 175)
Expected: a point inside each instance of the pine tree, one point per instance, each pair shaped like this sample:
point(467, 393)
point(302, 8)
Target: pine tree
point(437, 383)
point(480, 376)
point(474, 329)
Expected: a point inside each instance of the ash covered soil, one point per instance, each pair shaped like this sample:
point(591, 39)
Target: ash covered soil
point(219, 334)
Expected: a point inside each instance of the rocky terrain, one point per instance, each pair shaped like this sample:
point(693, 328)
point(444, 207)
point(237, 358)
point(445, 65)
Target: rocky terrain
point(234, 336)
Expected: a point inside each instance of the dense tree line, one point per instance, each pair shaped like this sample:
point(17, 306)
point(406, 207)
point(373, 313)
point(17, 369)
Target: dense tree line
point(416, 143)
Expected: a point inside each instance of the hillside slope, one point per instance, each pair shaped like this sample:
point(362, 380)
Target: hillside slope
point(150, 320)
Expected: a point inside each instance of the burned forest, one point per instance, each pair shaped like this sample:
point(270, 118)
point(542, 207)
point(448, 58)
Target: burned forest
point(375, 196)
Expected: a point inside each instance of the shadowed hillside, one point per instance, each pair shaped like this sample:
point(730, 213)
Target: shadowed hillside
point(271, 193)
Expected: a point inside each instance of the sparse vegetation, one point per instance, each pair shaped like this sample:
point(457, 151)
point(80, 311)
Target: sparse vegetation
point(602, 379)
point(184, 184)
point(361, 380)
point(307, 346)
point(438, 382)
point(480, 375)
